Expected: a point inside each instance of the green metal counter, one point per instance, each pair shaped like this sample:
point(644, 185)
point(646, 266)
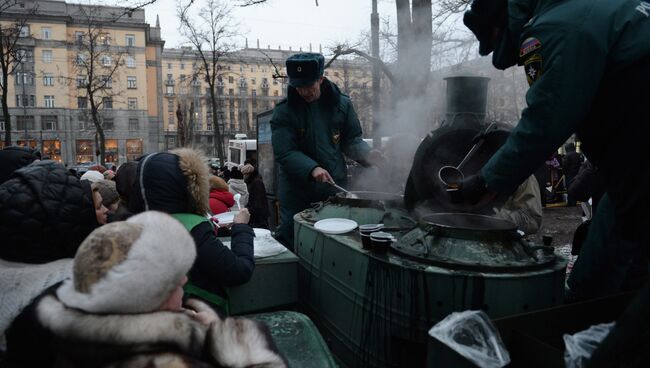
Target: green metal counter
point(274, 284)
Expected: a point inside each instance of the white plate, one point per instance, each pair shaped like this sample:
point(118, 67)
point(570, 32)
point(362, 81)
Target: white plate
point(259, 232)
point(225, 218)
point(335, 225)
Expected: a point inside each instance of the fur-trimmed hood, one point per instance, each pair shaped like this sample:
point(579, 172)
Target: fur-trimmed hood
point(79, 339)
point(172, 182)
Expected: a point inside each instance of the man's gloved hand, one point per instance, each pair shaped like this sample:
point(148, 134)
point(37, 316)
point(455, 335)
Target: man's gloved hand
point(473, 191)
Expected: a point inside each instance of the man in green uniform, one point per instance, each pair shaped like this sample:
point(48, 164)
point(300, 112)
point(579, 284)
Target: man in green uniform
point(588, 66)
point(311, 130)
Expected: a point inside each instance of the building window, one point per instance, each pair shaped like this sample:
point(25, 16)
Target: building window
point(82, 102)
point(133, 149)
point(170, 105)
point(47, 56)
point(182, 66)
point(2, 125)
point(133, 124)
point(107, 102)
point(169, 90)
point(52, 148)
point(129, 40)
point(49, 122)
point(169, 65)
point(231, 91)
point(49, 101)
point(170, 119)
point(81, 59)
point(171, 142)
point(25, 100)
point(253, 81)
point(105, 39)
point(132, 103)
point(275, 93)
point(85, 150)
point(182, 79)
point(24, 123)
point(48, 79)
point(106, 60)
point(231, 79)
point(107, 81)
point(108, 124)
point(81, 81)
point(24, 31)
point(130, 61)
point(253, 93)
point(46, 33)
point(78, 38)
point(110, 152)
point(24, 78)
point(131, 83)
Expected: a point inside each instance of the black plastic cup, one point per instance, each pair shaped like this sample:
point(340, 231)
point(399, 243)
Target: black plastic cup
point(365, 231)
point(380, 241)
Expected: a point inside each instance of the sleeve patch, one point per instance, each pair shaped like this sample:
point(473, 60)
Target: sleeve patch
point(528, 46)
point(533, 67)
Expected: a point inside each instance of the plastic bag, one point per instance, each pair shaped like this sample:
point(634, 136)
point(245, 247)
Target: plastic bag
point(472, 335)
point(581, 345)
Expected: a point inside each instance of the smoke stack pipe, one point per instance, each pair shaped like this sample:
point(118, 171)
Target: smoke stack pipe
point(466, 101)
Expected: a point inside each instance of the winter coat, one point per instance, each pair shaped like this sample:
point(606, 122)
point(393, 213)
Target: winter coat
point(588, 183)
point(45, 214)
point(238, 186)
point(12, 159)
point(220, 201)
point(309, 135)
point(50, 334)
point(258, 205)
point(587, 66)
point(176, 182)
point(571, 165)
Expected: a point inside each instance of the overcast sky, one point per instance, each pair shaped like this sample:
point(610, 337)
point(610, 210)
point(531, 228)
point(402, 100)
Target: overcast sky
point(286, 23)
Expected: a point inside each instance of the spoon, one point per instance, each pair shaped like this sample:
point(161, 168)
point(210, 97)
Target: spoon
point(237, 197)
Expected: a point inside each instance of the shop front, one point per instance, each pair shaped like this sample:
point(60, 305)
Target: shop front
point(84, 149)
point(52, 148)
point(133, 149)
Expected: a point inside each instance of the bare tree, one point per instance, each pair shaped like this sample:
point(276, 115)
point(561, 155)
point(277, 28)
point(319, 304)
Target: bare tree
point(12, 57)
point(210, 33)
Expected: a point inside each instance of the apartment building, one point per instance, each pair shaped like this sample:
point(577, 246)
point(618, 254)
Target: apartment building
point(49, 107)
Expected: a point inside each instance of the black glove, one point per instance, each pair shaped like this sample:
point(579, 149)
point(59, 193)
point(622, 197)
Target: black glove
point(472, 189)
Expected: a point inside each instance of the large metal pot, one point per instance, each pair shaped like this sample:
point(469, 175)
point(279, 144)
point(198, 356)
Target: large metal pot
point(471, 241)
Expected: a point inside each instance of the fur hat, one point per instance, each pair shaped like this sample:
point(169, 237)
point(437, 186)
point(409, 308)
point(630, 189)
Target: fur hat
point(129, 266)
point(197, 173)
point(218, 183)
point(92, 176)
point(108, 191)
point(247, 169)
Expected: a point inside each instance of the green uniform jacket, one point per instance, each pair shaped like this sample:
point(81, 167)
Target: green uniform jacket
point(307, 135)
point(574, 52)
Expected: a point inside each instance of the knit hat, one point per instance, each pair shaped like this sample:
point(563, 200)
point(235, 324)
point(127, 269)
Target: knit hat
point(247, 169)
point(92, 176)
point(129, 266)
point(108, 191)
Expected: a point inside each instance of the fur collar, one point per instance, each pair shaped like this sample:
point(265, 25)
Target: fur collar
point(330, 95)
point(165, 328)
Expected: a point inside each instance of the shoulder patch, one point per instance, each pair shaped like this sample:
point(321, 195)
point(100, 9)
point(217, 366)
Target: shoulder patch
point(533, 67)
point(528, 46)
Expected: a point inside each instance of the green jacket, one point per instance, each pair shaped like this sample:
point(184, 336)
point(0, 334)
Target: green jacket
point(570, 49)
point(307, 135)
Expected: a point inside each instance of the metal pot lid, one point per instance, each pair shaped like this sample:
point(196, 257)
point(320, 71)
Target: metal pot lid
point(472, 241)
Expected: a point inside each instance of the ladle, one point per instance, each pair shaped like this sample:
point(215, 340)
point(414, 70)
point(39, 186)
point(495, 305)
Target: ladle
point(347, 192)
point(452, 176)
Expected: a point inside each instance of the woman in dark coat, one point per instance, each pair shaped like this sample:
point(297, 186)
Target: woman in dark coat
point(177, 183)
point(257, 203)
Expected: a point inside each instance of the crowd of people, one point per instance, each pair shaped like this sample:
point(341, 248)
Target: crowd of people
point(126, 264)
